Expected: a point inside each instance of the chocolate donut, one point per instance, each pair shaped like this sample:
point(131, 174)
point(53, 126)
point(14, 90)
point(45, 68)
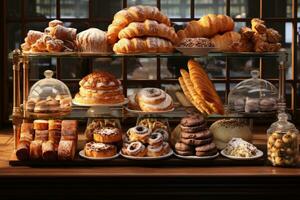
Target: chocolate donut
point(193, 129)
point(183, 147)
point(206, 147)
point(206, 153)
point(192, 120)
point(195, 142)
point(199, 135)
point(184, 153)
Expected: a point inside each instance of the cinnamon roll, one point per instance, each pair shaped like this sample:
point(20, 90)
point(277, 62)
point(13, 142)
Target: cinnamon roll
point(154, 99)
point(156, 139)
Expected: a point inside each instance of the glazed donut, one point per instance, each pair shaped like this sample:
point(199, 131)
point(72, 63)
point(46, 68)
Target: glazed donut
point(164, 133)
point(139, 133)
point(156, 139)
point(136, 149)
point(154, 99)
point(107, 135)
point(155, 151)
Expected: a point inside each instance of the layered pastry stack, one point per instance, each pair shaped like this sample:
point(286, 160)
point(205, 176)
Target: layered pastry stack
point(151, 100)
point(47, 140)
point(99, 88)
point(141, 29)
point(195, 138)
point(199, 89)
point(55, 38)
point(142, 141)
point(104, 136)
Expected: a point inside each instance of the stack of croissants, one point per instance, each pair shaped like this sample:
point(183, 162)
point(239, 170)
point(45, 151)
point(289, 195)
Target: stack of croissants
point(145, 29)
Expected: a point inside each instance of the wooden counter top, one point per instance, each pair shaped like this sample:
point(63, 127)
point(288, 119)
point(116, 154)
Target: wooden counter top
point(6, 148)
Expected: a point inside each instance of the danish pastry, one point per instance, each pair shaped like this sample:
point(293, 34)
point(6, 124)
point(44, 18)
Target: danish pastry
point(136, 149)
point(108, 135)
point(93, 149)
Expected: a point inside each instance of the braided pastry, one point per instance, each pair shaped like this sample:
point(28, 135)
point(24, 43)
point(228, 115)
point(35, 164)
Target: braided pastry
point(207, 26)
point(149, 28)
point(134, 14)
point(140, 45)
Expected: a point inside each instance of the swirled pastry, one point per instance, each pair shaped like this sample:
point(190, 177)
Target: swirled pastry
point(149, 28)
point(99, 88)
point(154, 99)
point(134, 14)
point(92, 40)
point(143, 45)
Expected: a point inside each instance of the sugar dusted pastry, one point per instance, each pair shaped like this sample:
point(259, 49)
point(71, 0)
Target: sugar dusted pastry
point(238, 147)
point(94, 149)
point(92, 40)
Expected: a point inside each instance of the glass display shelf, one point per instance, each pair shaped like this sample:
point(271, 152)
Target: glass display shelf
point(81, 113)
point(148, 55)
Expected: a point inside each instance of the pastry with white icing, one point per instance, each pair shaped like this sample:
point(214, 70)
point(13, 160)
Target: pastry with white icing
point(238, 147)
point(92, 40)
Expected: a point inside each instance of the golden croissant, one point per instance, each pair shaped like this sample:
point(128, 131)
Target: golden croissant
point(149, 28)
point(143, 45)
point(134, 14)
point(225, 41)
point(207, 26)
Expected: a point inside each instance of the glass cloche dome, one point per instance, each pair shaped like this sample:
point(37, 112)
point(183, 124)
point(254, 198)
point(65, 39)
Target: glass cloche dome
point(253, 95)
point(49, 96)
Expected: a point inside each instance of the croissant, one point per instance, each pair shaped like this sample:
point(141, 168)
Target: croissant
point(143, 45)
point(92, 40)
point(55, 22)
point(224, 42)
point(246, 32)
point(244, 45)
point(207, 26)
point(33, 36)
point(62, 33)
point(273, 36)
point(55, 45)
point(149, 28)
point(204, 87)
point(134, 14)
point(258, 25)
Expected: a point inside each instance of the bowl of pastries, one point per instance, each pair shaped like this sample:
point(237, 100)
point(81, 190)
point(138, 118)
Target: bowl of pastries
point(150, 100)
point(49, 97)
point(195, 46)
point(100, 89)
point(143, 143)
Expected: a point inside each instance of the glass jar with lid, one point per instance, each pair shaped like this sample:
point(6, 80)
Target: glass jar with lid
point(253, 95)
point(282, 143)
point(49, 96)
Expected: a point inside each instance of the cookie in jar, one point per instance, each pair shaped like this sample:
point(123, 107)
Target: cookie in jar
point(282, 142)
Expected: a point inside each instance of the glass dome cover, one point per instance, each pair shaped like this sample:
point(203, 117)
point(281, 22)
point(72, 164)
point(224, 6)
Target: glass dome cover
point(253, 95)
point(49, 95)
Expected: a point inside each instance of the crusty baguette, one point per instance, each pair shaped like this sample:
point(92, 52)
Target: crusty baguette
point(134, 14)
point(149, 28)
point(207, 26)
point(143, 45)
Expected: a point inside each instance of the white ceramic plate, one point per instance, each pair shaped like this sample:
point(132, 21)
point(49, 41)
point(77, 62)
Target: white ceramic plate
point(82, 154)
point(197, 157)
point(148, 158)
point(195, 51)
point(145, 113)
point(100, 105)
point(259, 154)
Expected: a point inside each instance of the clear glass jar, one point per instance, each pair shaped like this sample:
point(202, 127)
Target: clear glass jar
point(282, 143)
point(49, 96)
point(253, 95)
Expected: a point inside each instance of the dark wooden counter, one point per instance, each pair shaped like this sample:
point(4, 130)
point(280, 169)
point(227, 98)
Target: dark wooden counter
point(176, 182)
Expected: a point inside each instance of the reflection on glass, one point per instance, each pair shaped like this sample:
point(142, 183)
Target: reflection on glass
point(241, 67)
point(38, 66)
point(74, 8)
point(176, 8)
point(113, 66)
point(13, 8)
point(141, 69)
point(41, 8)
point(111, 7)
point(141, 2)
point(204, 7)
point(37, 26)
point(73, 68)
point(277, 8)
point(221, 90)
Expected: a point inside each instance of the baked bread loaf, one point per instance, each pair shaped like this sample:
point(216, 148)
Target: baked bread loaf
point(92, 40)
point(66, 150)
point(225, 41)
point(226, 129)
point(100, 88)
point(141, 45)
point(36, 149)
point(154, 99)
point(149, 28)
point(207, 26)
point(48, 151)
point(134, 14)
